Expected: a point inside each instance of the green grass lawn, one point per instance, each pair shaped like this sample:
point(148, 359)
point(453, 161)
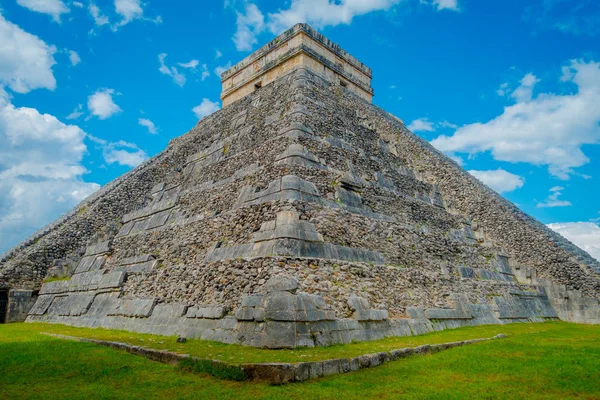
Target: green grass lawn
point(537, 361)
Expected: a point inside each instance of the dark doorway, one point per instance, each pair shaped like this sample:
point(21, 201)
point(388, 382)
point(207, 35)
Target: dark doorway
point(3, 305)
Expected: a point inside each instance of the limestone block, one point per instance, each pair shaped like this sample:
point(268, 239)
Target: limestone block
point(349, 197)
point(208, 312)
point(256, 300)
point(143, 267)
point(280, 283)
point(157, 207)
point(100, 248)
point(158, 219)
point(340, 143)
point(137, 308)
point(466, 272)
point(292, 182)
point(125, 229)
point(159, 187)
point(169, 311)
point(279, 335)
point(85, 264)
point(358, 303)
point(41, 305)
point(74, 304)
point(112, 280)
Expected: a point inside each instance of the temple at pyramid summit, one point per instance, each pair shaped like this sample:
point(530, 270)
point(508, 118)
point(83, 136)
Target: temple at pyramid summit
point(298, 215)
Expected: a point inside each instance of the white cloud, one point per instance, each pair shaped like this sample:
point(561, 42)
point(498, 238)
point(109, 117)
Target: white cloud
point(170, 71)
point(205, 72)
point(124, 153)
point(25, 60)
point(553, 199)
point(205, 108)
point(222, 68)
point(500, 180)
point(77, 4)
point(129, 10)
point(524, 92)
point(53, 8)
point(77, 112)
point(446, 5)
point(99, 18)
point(125, 10)
point(424, 125)
point(546, 130)
point(502, 89)
point(249, 24)
point(421, 125)
point(40, 158)
point(586, 235)
point(191, 64)
point(148, 124)
point(74, 57)
point(102, 105)
point(218, 54)
point(321, 13)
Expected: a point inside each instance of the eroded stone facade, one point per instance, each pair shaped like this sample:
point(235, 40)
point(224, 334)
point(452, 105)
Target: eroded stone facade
point(301, 215)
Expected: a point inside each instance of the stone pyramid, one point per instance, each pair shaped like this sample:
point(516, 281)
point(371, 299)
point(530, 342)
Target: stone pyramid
point(298, 215)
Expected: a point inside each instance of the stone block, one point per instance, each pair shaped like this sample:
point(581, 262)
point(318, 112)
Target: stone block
point(41, 305)
point(135, 308)
point(85, 264)
point(280, 335)
point(169, 311)
point(100, 248)
point(280, 283)
point(358, 303)
point(466, 272)
point(208, 312)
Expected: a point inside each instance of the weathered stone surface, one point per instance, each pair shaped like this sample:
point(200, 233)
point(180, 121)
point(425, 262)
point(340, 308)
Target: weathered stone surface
point(281, 283)
point(334, 193)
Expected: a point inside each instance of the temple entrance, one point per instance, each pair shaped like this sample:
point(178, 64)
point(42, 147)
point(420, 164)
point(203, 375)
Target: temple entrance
point(3, 306)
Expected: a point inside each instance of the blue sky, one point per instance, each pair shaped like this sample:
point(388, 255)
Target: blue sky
point(510, 89)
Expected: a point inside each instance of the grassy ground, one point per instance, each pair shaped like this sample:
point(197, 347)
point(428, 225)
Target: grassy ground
point(242, 354)
point(538, 361)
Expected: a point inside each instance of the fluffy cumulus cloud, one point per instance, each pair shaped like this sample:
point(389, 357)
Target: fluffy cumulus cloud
point(148, 125)
point(40, 158)
point(586, 235)
point(421, 125)
point(320, 13)
point(206, 107)
point(25, 60)
point(500, 180)
point(101, 104)
point(124, 154)
point(323, 13)
point(129, 10)
point(54, 8)
point(553, 199)
point(249, 23)
point(99, 17)
point(446, 4)
point(547, 129)
point(74, 57)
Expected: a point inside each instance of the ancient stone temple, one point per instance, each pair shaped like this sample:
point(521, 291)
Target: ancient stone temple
point(298, 215)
